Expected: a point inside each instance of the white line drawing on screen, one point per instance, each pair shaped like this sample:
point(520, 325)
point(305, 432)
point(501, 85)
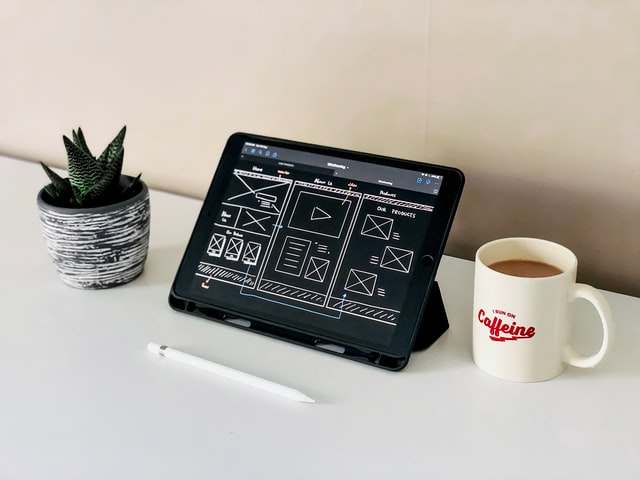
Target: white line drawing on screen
point(251, 253)
point(398, 203)
point(328, 220)
point(361, 282)
point(225, 275)
point(317, 269)
point(228, 217)
point(294, 266)
point(351, 185)
point(234, 248)
point(255, 221)
point(295, 294)
point(292, 292)
point(294, 253)
point(265, 200)
point(369, 312)
point(318, 214)
point(216, 245)
point(397, 259)
point(247, 220)
point(377, 227)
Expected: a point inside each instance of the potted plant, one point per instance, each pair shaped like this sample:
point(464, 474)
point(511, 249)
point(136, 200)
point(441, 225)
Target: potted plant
point(95, 222)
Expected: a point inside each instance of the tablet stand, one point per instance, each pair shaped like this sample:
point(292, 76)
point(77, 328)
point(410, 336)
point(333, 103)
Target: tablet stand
point(434, 321)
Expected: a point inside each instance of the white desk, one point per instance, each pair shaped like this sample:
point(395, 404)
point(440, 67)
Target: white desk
point(80, 397)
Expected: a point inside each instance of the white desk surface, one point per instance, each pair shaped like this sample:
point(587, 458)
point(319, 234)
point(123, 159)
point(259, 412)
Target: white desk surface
point(81, 398)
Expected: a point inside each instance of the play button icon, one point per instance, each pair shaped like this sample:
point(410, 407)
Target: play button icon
point(319, 214)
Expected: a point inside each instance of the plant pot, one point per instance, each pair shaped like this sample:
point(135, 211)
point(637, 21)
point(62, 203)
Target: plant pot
point(99, 247)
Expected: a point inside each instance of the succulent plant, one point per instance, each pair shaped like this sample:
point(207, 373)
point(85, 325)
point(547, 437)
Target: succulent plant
point(92, 182)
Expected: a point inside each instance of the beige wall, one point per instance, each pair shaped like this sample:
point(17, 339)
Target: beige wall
point(537, 101)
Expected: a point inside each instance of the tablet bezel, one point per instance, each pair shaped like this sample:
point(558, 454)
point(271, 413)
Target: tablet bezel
point(395, 354)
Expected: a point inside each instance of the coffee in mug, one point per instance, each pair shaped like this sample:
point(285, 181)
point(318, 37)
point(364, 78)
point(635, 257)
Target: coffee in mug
point(523, 291)
point(525, 268)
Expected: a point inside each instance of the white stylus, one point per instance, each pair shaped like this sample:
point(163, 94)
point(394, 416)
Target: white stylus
point(229, 373)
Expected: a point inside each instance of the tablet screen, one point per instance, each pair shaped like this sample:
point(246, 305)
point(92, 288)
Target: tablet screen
point(337, 244)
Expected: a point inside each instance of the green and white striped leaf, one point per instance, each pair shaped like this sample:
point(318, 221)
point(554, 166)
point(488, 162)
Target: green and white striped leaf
point(108, 183)
point(113, 149)
point(84, 172)
point(79, 140)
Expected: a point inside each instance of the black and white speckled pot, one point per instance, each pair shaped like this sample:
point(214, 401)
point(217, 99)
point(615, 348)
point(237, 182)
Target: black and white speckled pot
point(98, 247)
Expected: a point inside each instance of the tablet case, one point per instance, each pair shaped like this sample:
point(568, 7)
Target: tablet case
point(433, 324)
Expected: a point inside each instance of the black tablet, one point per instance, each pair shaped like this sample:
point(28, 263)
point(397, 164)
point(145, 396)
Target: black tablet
point(328, 248)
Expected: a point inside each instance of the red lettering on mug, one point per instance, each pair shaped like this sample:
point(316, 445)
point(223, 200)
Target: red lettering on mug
point(500, 331)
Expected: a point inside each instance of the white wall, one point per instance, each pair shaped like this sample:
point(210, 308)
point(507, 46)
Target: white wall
point(537, 101)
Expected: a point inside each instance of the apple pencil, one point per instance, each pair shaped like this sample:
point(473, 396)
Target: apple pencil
point(230, 373)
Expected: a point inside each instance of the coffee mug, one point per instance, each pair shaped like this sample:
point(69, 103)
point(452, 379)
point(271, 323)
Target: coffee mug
point(522, 310)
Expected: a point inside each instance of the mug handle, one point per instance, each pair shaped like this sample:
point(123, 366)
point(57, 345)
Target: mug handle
point(587, 292)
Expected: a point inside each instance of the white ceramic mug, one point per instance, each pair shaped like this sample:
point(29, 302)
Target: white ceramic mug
point(521, 325)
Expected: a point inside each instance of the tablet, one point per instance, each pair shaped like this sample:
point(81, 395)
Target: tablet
point(327, 248)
